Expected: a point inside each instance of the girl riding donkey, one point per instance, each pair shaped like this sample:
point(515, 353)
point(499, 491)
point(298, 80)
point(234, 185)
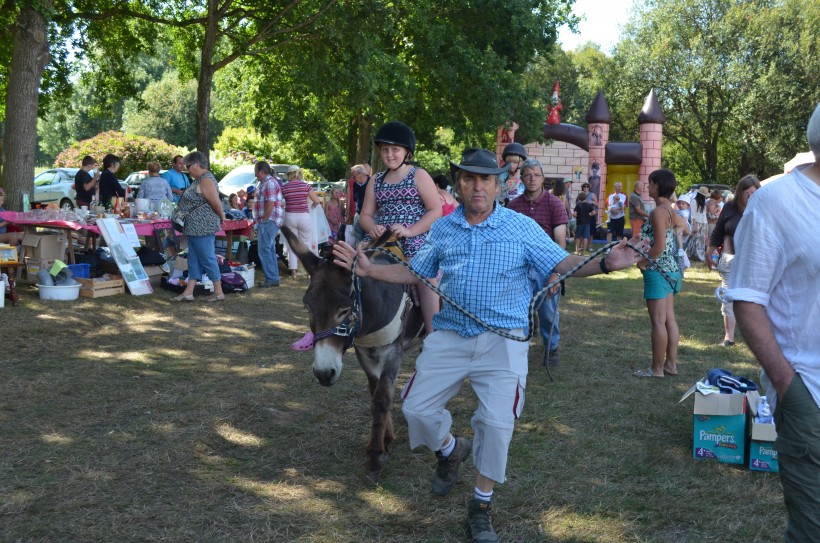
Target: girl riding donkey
point(403, 199)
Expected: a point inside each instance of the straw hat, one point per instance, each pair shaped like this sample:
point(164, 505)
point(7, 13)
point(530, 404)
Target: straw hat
point(704, 190)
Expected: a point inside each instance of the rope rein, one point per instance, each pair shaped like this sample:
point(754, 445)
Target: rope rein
point(537, 299)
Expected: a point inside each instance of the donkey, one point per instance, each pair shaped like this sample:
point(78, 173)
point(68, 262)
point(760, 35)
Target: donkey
point(380, 321)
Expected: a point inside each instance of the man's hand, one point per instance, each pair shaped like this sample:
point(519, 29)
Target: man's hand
point(557, 288)
point(621, 256)
point(344, 254)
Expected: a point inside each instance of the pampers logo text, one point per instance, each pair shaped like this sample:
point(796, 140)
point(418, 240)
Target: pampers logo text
point(719, 437)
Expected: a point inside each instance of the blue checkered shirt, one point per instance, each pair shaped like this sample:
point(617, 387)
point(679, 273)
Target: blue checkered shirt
point(484, 267)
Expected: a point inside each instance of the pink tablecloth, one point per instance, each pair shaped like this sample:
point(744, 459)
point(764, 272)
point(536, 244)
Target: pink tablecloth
point(143, 228)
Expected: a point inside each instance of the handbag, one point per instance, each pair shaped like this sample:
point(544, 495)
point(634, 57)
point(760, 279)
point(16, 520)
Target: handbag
point(179, 215)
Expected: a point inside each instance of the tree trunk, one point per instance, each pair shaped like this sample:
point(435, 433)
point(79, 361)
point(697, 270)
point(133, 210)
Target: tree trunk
point(29, 57)
point(352, 141)
point(206, 77)
point(363, 144)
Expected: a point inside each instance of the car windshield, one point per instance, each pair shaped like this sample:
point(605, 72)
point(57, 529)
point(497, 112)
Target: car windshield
point(238, 178)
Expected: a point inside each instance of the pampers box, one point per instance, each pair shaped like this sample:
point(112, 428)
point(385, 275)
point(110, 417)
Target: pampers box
point(719, 430)
point(762, 454)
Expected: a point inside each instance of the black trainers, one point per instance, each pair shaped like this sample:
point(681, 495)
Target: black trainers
point(446, 474)
point(481, 525)
point(551, 358)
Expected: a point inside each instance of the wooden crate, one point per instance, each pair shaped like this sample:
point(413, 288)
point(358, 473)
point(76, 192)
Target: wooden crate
point(99, 288)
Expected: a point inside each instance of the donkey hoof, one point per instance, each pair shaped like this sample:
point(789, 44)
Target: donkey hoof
point(371, 478)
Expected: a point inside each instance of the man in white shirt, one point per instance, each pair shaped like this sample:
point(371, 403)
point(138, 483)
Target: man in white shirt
point(775, 287)
point(615, 207)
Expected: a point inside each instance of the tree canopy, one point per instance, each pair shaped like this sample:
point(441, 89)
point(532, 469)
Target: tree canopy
point(732, 85)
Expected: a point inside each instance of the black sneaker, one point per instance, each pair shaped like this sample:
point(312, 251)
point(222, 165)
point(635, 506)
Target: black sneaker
point(481, 525)
point(446, 474)
point(551, 358)
point(267, 284)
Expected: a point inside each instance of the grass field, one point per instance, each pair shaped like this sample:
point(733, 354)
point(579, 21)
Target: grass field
point(137, 419)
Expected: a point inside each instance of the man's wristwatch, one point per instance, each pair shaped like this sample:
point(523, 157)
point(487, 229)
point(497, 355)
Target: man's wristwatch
point(604, 268)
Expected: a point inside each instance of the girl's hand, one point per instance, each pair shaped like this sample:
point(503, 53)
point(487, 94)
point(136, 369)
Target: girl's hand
point(709, 262)
point(400, 230)
point(377, 231)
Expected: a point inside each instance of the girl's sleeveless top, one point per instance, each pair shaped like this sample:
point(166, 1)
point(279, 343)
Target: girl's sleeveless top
point(668, 261)
point(400, 203)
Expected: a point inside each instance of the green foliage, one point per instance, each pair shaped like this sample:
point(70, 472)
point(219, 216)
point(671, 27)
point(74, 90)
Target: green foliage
point(735, 92)
point(222, 163)
point(251, 143)
point(166, 110)
point(430, 64)
point(134, 151)
point(433, 162)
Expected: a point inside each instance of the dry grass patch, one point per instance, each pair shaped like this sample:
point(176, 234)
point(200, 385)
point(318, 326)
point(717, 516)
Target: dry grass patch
point(137, 419)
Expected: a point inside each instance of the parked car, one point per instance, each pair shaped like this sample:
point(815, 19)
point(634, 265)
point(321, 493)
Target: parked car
point(55, 186)
point(135, 179)
point(240, 177)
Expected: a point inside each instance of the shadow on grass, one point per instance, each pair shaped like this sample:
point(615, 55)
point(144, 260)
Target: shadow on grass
point(137, 419)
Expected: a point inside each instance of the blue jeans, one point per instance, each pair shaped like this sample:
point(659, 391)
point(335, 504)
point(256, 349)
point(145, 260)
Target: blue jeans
point(202, 258)
point(546, 313)
point(358, 233)
point(267, 231)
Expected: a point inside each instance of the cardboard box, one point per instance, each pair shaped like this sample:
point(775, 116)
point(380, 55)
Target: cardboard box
point(8, 254)
point(719, 429)
point(45, 245)
point(100, 287)
point(762, 454)
point(154, 275)
point(180, 263)
point(249, 275)
point(34, 265)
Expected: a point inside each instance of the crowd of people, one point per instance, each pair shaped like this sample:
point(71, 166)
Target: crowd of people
point(494, 235)
point(773, 291)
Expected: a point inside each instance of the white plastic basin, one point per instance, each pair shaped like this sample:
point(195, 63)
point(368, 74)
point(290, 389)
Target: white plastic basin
point(61, 292)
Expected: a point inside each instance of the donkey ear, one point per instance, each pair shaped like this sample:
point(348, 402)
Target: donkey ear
point(308, 259)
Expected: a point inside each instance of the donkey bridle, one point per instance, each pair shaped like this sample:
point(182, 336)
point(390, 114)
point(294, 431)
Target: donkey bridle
point(350, 326)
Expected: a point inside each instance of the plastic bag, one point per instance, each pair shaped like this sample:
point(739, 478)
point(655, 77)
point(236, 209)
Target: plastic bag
point(320, 231)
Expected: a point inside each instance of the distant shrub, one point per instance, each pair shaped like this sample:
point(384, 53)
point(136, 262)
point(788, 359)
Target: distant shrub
point(222, 163)
point(433, 162)
point(134, 151)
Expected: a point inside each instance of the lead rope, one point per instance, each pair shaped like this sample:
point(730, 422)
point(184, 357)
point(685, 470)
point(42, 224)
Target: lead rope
point(537, 299)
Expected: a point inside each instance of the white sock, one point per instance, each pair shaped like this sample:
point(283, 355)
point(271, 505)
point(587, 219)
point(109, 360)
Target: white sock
point(447, 450)
point(483, 496)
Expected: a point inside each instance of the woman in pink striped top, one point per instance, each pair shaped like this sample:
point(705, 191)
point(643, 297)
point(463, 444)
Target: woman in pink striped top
point(297, 214)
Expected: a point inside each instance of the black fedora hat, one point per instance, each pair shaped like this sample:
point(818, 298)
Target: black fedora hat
point(479, 161)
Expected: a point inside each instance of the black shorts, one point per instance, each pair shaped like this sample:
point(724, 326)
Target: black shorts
point(616, 226)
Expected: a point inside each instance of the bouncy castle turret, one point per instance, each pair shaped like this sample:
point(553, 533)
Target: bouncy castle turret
point(651, 120)
point(598, 120)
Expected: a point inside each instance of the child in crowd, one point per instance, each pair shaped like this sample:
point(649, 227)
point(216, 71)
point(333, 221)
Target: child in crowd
point(584, 220)
point(334, 211)
point(248, 209)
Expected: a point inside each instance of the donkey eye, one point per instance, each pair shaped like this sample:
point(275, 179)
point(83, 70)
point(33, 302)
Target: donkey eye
point(342, 313)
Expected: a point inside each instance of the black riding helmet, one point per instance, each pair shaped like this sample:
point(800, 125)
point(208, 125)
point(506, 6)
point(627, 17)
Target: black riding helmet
point(396, 133)
point(514, 149)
